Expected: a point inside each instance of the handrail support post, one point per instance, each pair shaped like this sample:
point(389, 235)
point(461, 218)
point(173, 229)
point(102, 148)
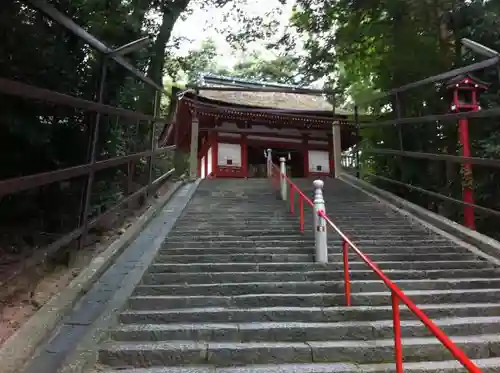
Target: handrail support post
point(396, 320)
point(347, 277)
point(269, 162)
point(283, 180)
point(320, 223)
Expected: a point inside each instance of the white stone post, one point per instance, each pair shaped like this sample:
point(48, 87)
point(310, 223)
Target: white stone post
point(269, 162)
point(319, 224)
point(337, 150)
point(282, 179)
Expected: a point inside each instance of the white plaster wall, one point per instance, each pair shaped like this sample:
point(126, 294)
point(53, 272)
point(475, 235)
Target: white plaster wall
point(229, 151)
point(319, 158)
point(209, 161)
point(203, 170)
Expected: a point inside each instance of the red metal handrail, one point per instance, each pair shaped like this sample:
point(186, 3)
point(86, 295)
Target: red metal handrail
point(276, 177)
point(397, 295)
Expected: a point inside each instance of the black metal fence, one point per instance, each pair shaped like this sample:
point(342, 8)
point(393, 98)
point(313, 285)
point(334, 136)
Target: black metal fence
point(394, 146)
point(134, 164)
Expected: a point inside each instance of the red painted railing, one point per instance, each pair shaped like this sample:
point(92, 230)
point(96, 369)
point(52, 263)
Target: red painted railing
point(397, 295)
point(276, 178)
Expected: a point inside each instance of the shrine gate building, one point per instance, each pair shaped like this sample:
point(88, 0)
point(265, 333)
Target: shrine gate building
point(228, 124)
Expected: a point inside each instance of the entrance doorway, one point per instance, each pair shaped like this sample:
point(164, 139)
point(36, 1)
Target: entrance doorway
point(257, 161)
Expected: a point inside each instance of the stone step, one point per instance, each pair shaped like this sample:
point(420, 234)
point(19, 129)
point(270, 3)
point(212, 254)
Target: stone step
point(265, 223)
point(155, 287)
point(284, 218)
point(263, 242)
point(251, 230)
point(142, 298)
point(178, 243)
point(300, 314)
point(215, 237)
point(204, 257)
point(300, 331)
point(241, 214)
point(275, 267)
point(230, 232)
point(491, 365)
point(146, 354)
point(356, 275)
point(375, 253)
point(221, 219)
point(296, 235)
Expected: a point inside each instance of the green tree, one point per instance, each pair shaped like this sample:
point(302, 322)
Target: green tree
point(376, 46)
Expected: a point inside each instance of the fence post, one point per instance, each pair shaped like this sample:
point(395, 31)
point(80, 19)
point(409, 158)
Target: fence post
point(269, 163)
point(356, 147)
point(92, 156)
point(319, 224)
point(152, 139)
point(282, 178)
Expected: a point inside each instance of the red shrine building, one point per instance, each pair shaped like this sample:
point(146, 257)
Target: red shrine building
point(227, 126)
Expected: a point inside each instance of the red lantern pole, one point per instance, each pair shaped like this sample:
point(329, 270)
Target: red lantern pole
point(467, 191)
point(467, 103)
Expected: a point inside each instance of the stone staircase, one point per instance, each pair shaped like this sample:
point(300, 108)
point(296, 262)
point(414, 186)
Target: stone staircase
point(235, 289)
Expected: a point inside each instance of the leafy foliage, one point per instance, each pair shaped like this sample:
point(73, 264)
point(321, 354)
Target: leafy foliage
point(374, 46)
point(37, 137)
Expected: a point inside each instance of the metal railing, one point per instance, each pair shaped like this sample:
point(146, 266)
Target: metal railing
point(280, 180)
point(397, 122)
point(18, 184)
point(93, 115)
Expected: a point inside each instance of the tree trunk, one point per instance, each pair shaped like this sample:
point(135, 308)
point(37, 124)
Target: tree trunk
point(171, 13)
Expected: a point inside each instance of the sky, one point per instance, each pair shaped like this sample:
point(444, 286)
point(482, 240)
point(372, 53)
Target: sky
point(203, 23)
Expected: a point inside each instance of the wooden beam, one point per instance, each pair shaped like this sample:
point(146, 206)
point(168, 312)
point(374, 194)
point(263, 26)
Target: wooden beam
point(261, 133)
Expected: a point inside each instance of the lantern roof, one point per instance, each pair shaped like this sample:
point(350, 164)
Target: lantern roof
point(466, 80)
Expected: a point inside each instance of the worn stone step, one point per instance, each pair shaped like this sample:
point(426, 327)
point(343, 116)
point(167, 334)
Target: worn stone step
point(264, 228)
point(281, 214)
point(231, 215)
point(149, 301)
point(147, 354)
point(372, 251)
point(292, 222)
point(265, 231)
point(300, 331)
point(319, 275)
point(300, 314)
point(238, 243)
point(302, 242)
point(235, 237)
point(235, 258)
point(150, 287)
point(238, 250)
point(274, 267)
point(296, 235)
point(204, 257)
point(491, 365)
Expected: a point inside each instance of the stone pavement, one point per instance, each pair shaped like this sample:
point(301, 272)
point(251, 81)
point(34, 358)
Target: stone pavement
point(123, 274)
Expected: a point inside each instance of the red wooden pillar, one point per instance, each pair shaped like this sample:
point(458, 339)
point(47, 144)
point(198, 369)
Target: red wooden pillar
point(215, 154)
point(244, 155)
point(305, 155)
point(206, 161)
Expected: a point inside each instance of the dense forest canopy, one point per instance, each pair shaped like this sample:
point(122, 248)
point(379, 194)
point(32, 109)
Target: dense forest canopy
point(357, 47)
point(374, 46)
